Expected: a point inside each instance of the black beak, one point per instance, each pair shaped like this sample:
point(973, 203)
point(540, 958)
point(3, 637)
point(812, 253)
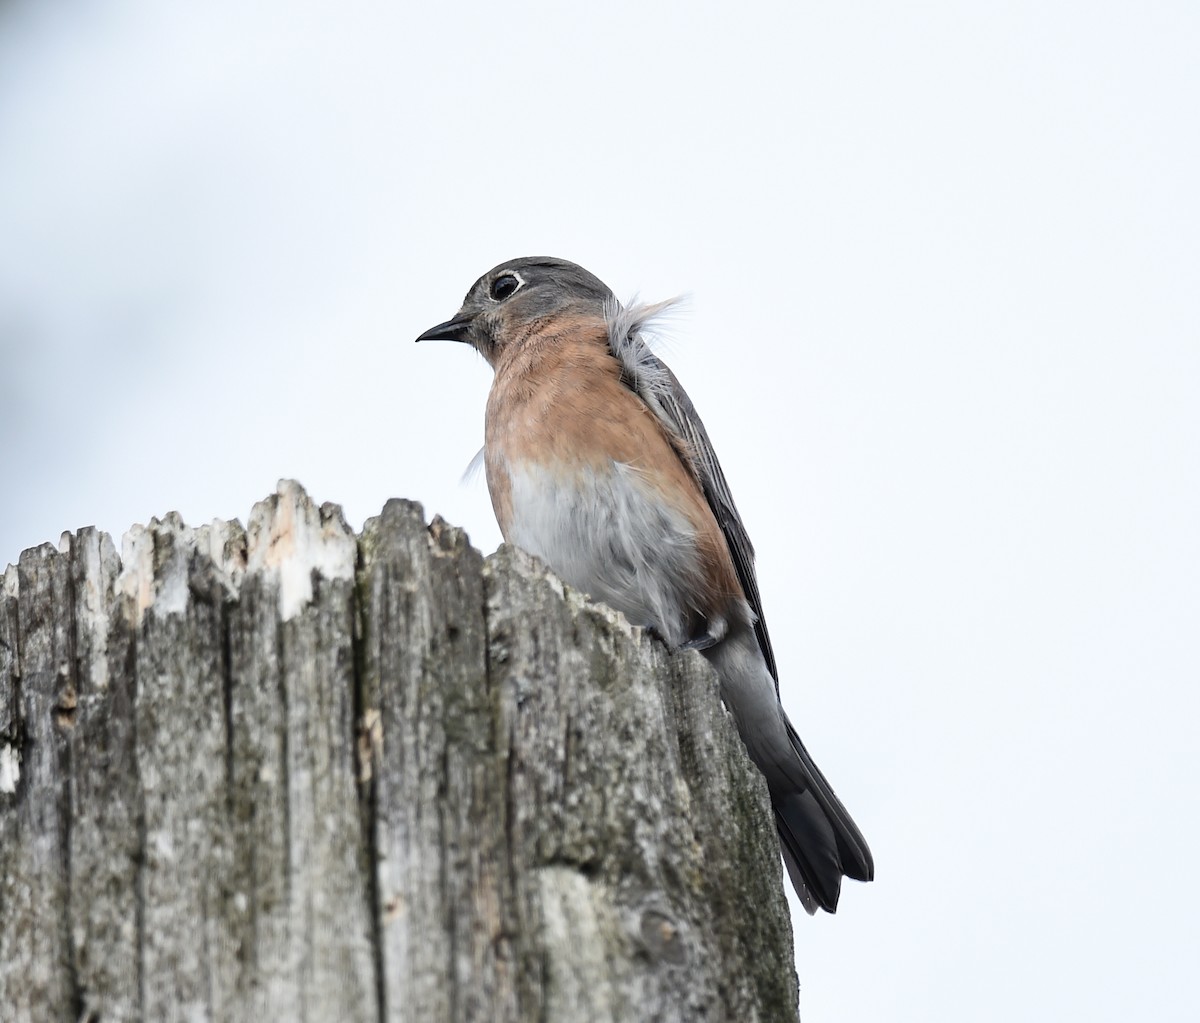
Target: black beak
point(451, 330)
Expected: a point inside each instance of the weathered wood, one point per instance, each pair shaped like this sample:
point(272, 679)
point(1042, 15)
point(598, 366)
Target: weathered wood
point(288, 773)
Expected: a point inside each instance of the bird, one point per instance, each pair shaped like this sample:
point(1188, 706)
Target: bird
point(598, 464)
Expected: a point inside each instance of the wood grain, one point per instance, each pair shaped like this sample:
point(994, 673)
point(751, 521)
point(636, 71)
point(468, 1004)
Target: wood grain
point(290, 773)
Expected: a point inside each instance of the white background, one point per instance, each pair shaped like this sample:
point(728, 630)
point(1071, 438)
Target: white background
point(943, 262)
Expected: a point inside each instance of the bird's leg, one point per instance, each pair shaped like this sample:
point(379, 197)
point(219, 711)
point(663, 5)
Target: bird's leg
point(714, 630)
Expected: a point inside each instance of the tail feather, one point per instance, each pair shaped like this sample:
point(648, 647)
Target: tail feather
point(819, 840)
point(855, 856)
point(809, 850)
point(803, 892)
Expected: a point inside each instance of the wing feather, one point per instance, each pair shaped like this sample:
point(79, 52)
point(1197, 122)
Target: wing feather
point(652, 380)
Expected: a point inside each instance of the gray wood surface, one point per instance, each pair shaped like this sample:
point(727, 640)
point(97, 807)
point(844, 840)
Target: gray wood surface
point(288, 773)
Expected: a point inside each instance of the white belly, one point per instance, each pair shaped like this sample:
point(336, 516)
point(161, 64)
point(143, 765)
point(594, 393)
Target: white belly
point(606, 534)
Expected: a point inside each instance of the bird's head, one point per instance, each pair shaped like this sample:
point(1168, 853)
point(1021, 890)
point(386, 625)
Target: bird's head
point(510, 301)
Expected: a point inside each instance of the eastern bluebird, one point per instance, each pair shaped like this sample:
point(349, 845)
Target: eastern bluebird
point(598, 464)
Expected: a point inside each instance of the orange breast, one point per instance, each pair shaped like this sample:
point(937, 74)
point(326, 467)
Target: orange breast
point(558, 402)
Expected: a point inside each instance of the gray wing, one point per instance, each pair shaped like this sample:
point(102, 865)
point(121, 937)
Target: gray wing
point(652, 380)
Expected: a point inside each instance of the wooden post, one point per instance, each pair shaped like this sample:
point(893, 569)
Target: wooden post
point(288, 773)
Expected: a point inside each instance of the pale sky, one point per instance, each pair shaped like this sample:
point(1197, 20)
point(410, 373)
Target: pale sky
point(942, 263)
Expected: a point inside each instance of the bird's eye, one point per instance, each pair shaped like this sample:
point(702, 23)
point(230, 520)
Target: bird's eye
point(505, 285)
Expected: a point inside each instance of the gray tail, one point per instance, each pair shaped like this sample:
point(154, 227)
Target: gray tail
point(820, 842)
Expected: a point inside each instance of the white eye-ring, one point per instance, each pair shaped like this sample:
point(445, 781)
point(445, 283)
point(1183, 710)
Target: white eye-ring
point(508, 283)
